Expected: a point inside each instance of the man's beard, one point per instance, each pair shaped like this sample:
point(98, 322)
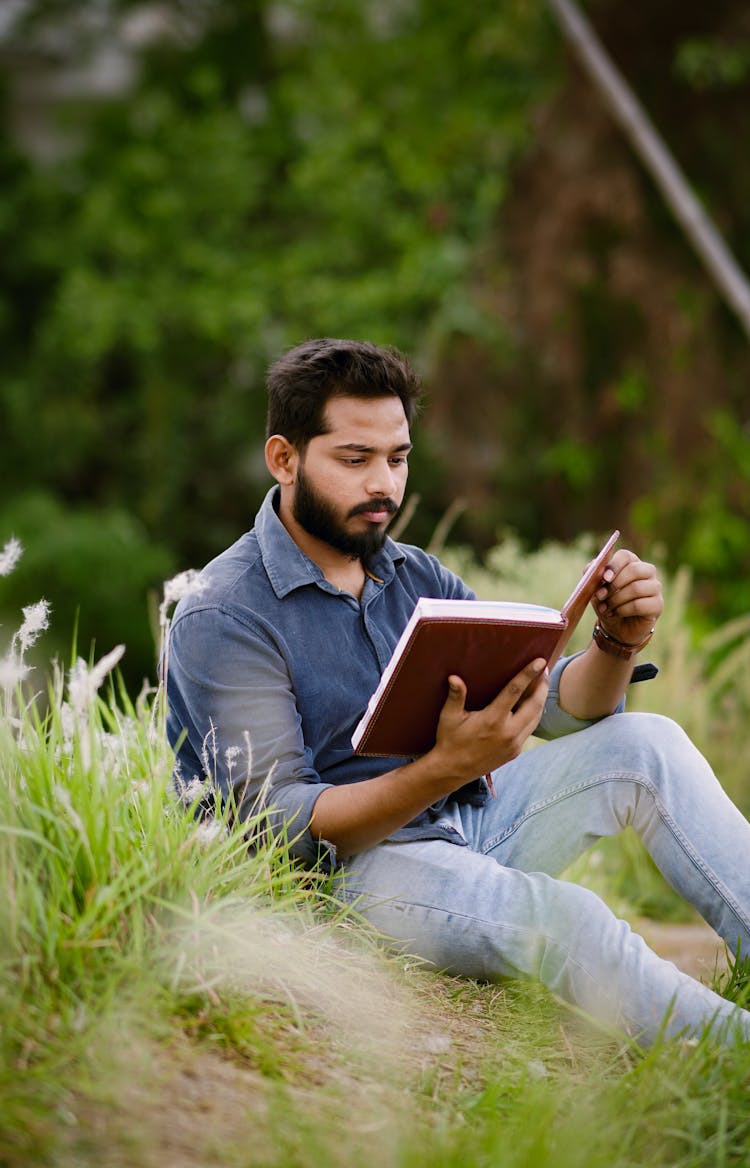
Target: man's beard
point(319, 518)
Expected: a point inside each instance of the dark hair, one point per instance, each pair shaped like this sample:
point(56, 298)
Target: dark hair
point(301, 383)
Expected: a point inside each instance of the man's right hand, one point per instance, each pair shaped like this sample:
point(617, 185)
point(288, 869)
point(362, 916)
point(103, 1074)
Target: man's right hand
point(475, 742)
point(355, 816)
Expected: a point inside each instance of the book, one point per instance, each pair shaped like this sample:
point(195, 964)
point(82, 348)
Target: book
point(484, 642)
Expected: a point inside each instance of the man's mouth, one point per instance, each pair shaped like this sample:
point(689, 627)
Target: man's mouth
point(376, 512)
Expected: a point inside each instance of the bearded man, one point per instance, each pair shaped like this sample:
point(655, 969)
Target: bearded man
point(272, 661)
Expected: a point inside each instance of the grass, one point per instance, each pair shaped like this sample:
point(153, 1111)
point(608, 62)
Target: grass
point(167, 998)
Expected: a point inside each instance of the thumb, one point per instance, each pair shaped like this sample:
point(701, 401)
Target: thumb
point(456, 690)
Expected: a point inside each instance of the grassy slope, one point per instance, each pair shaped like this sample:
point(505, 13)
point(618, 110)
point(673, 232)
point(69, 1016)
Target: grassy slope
point(166, 999)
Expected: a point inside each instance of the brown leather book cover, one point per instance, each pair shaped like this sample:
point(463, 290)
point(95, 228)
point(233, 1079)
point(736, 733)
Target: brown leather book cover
point(485, 643)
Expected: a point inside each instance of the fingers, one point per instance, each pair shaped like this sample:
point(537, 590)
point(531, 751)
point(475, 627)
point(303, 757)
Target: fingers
point(529, 687)
point(523, 683)
point(473, 742)
point(515, 712)
point(522, 699)
point(630, 588)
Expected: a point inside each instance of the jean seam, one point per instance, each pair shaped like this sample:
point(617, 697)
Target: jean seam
point(708, 873)
point(668, 821)
point(505, 926)
point(558, 797)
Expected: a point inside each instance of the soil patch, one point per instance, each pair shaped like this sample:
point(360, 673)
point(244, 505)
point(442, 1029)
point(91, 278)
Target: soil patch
point(695, 947)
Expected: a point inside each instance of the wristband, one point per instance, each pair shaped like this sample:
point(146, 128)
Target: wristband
point(610, 645)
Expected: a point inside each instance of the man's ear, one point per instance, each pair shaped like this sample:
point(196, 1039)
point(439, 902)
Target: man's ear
point(282, 458)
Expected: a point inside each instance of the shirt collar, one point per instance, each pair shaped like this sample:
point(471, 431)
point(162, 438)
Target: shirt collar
point(286, 564)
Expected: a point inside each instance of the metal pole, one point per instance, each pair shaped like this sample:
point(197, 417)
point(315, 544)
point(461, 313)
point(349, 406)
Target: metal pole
point(633, 119)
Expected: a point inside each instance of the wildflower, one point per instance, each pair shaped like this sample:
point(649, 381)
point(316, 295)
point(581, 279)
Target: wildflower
point(35, 621)
point(13, 668)
point(209, 752)
point(180, 585)
point(231, 754)
point(183, 584)
point(10, 555)
point(12, 672)
point(67, 726)
point(208, 830)
point(84, 683)
point(193, 791)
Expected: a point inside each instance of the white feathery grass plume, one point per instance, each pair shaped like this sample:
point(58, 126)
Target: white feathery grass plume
point(13, 668)
point(193, 791)
point(183, 584)
point(209, 829)
point(35, 621)
point(231, 754)
point(10, 555)
point(68, 728)
point(84, 683)
point(12, 671)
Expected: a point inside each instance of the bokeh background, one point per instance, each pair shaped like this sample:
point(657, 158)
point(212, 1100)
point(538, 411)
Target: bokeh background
point(187, 188)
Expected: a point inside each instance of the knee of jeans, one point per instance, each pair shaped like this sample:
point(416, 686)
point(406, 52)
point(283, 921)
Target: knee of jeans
point(650, 743)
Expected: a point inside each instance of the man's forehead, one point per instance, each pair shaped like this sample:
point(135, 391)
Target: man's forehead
point(358, 420)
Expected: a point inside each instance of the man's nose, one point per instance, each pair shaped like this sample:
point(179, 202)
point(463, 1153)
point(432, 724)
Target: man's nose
point(381, 479)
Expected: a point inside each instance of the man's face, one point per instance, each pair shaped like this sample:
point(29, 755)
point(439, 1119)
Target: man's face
point(350, 482)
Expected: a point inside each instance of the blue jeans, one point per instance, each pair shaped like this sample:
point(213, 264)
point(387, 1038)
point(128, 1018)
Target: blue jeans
point(497, 908)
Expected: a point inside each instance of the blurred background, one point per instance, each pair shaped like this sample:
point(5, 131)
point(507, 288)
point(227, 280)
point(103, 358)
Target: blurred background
point(188, 188)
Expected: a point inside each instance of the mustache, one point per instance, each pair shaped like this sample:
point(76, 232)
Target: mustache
point(375, 505)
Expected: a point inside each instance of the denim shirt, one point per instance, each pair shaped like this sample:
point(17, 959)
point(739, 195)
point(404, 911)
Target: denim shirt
point(270, 667)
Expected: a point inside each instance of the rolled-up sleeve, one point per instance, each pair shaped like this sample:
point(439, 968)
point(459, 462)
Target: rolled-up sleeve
point(555, 721)
point(233, 719)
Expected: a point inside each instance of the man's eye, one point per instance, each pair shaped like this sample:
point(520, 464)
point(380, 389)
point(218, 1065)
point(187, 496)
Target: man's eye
point(399, 460)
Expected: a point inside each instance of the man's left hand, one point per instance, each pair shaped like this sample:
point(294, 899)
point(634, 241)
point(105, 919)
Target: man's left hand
point(629, 601)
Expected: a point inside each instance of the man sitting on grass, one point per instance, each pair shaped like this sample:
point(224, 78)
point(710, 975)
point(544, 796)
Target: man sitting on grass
point(272, 661)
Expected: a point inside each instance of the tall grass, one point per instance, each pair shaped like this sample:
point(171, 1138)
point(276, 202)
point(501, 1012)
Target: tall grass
point(168, 997)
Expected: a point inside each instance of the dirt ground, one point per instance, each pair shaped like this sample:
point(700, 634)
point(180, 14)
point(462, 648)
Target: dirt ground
point(694, 948)
point(184, 1106)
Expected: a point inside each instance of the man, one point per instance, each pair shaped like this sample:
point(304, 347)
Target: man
point(273, 658)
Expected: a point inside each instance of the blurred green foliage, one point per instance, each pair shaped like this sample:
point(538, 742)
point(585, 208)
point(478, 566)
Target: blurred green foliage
point(101, 572)
point(278, 169)
point(293, 170)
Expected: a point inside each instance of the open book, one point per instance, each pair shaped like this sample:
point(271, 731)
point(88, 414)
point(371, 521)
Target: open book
point(484, 642)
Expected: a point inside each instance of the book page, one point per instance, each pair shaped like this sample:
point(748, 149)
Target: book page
point(486, 610)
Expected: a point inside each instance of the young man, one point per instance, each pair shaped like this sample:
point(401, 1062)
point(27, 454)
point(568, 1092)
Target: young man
point(272, 661)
